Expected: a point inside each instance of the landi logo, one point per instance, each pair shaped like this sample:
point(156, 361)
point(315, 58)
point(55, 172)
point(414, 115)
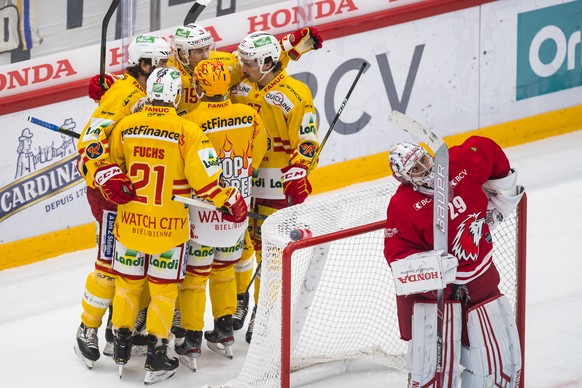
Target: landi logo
point(549, 53)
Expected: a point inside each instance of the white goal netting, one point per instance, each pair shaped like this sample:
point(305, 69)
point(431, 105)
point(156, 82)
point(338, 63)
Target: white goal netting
point(342, 297)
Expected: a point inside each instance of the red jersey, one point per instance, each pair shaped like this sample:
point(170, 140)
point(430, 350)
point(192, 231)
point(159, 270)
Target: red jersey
point(409, 225)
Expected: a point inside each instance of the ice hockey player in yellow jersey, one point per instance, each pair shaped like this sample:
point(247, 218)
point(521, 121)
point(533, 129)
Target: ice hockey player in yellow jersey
point(286, 107)
point(237, 133)
point(163, 155)
point(107, 185)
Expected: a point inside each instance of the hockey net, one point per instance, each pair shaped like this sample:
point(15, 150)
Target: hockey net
point(341, 292)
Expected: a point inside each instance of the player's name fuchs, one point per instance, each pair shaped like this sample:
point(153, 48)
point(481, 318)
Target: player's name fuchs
point(145, 130)
point(219, 122)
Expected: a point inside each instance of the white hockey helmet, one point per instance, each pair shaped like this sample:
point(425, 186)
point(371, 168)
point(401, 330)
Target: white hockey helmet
point(165, 84)
point(148, 46)
point(259, 46)
point(411, 164)
point(191, 36)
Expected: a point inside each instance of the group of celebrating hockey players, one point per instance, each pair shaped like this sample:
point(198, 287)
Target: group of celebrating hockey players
point(181, 122)
point(186, 120)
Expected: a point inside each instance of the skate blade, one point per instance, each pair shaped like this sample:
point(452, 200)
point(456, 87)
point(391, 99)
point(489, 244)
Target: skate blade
point(139, 350)
point(157, 376)
point(120, 370)
point(222, 349)
point(89, 364)
point(108, 349)
point(189, 362)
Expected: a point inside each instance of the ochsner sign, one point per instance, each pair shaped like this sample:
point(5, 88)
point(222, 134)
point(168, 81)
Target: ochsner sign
point(549, 53)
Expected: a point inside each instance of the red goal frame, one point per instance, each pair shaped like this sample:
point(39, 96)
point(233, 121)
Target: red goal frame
point(306, 242)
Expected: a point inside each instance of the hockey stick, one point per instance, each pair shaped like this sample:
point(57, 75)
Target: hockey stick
point(104, 26)
point(195, 11)
point(53, 127)
point(207, 205)
point(316, 156)
point(337, 115)
point(440, 209)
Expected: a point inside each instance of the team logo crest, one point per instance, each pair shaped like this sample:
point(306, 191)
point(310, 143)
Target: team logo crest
point(307, 149)
point(466, 242)
point(94, 150)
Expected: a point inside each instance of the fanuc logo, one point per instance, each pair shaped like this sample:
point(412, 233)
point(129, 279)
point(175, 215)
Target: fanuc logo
point(549, 53)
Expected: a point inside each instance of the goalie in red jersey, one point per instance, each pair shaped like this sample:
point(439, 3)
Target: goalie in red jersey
point(482, 192)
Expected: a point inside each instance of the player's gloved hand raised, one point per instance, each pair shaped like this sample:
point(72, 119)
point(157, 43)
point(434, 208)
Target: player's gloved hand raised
point(237, 207)
point(301, 41)
point(114, 184)
point(95, 90)
point(296, 186)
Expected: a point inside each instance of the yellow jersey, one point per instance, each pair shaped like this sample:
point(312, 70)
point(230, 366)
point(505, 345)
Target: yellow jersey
point(286, 107)
point(163, 155)
point(237, 133)
point(118, 102)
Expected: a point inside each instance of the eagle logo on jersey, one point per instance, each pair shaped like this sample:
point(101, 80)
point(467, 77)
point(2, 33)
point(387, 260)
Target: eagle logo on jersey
point(466, 242)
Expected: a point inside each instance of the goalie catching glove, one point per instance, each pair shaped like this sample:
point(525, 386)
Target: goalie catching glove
point(237, 207)
point(423, 272)
point(296, 186)
point(96, 91)
point(301, 41)
point(114, 184)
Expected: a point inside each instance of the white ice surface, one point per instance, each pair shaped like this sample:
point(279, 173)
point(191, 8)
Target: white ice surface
point(40, 303)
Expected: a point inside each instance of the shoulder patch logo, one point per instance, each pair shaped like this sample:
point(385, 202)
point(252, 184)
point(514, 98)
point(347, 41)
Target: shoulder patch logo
point(94, 150)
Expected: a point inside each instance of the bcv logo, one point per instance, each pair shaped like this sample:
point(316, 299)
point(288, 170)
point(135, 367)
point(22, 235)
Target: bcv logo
point(549, 53)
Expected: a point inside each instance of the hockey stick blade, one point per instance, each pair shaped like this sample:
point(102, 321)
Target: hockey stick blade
point(416, 129)
point(53, 127)
point(207, 205)
point(195, 11)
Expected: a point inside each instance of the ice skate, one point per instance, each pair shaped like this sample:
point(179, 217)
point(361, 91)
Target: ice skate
point(122, 348)
point(140, 338)
point(158, 366)
point(242, 308)
point(249, 334)
point(87, 345)
point(108, 349)
point(221, 339)
point(189, 349)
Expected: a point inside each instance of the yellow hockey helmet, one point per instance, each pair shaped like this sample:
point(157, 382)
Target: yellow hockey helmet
point(212, 77)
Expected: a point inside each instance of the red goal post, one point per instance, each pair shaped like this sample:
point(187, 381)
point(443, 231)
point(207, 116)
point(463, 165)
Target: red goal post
point(328, 299)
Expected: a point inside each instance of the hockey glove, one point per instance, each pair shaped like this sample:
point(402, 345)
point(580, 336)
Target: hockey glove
point(296, 186)
point(95, 89)
point(114, 184)
point(237, 207)
point(301, 41)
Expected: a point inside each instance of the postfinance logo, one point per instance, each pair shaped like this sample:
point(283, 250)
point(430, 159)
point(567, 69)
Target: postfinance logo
point(549, 53)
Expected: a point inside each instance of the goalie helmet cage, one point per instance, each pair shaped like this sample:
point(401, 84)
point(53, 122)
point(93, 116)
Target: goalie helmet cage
point(328, 299)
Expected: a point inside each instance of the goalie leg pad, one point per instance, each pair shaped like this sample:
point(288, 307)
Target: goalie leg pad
point(494, 355)
point(421, 360)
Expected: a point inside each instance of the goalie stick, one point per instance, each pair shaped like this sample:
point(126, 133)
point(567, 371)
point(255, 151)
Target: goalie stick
point(440, 208)
point(208, 205)
point(195, 11)
point(53, 127)
point(104, 26)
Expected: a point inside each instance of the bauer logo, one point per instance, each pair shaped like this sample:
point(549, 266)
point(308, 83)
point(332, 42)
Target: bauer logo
point(548, 50)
